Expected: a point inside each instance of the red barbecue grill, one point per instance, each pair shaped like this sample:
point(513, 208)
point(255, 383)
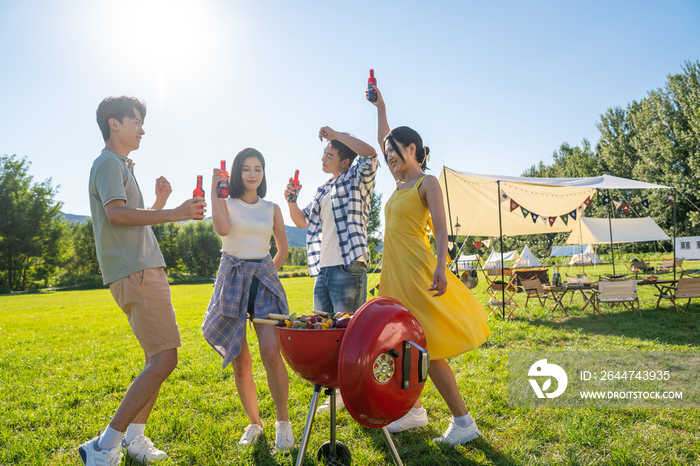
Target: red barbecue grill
point(378, 362)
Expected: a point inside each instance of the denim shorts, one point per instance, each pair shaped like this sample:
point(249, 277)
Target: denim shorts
point(340, 288)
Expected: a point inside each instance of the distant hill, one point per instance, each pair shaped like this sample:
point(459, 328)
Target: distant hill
point(75, 218)
point(295, 236)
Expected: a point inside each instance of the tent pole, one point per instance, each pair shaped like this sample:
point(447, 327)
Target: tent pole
point(449, 215)
point(675, 198)
point(500, 230)
point(612, 251)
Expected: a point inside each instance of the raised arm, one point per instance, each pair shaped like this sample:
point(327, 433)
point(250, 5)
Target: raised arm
point(358, 146)
point(382, 123)
point(219, 211)
point(431, 195)
point(295, 212)
point(280, 235)
point(163, 191)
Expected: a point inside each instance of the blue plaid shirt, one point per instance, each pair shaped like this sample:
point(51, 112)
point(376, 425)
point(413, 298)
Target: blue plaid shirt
point(351, 197)
point(224, 321)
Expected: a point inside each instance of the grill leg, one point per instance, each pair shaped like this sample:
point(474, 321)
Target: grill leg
point(309, 423)
point(392, 447)
point(334, 453)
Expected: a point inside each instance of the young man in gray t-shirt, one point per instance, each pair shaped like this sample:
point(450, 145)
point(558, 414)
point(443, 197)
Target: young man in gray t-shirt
point(132, 266)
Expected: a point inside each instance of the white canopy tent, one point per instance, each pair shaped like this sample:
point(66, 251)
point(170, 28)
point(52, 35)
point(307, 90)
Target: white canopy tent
point(494, 259)
point(567, 251)
point(475, 198)
point(587, 257)
point(494, 205)
point(527, 259)
point(467, 261)
point(624, 230)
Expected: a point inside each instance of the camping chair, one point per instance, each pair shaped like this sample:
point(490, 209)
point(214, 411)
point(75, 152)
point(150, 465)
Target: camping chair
point(617, 291)
point(667, 265)
point(640, 265)
point(687, 288)
point(496, 288)
point(533, 287)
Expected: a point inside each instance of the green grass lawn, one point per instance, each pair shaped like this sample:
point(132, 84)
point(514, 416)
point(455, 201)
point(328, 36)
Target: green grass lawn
point(66, 359)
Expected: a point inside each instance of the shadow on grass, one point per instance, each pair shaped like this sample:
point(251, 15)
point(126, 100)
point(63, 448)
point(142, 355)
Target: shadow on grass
point(415, 447)
point(663, 326)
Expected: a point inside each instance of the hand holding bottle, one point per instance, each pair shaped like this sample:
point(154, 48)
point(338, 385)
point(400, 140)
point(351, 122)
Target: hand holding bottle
point(293, 189)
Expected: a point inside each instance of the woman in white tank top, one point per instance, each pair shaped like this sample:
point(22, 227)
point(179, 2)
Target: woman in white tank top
point(247, 284)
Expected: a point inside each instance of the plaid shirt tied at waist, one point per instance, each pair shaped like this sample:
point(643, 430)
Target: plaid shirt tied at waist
point(351, 197)
point(224, 321)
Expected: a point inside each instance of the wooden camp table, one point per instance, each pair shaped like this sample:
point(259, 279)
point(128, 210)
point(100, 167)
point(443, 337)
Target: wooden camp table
point(558, 293)
point(660, 285)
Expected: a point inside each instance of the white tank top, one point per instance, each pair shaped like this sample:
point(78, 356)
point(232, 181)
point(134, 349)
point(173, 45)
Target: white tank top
point(250, 228)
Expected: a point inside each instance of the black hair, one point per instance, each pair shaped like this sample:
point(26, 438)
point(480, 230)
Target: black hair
point(344, 152)
point(118, 108)
point(407, 136)
point(235, 187)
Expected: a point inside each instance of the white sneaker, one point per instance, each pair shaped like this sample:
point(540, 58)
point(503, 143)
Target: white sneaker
point(141, 449)
point(326, 407)
point(455, 435)
point(284, 440)
point(416, 417)
point(92, 455)
point(250, 435)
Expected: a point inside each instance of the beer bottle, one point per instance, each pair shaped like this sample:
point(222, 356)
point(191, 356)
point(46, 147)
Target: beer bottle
point(295, 182)
point(222, 189)
point(371, 84)
point(198, 191)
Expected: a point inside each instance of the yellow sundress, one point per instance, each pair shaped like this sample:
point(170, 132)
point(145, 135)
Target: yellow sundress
point(454, 322)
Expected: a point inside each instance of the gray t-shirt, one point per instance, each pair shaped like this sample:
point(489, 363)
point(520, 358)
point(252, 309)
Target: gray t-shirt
point(121, 250)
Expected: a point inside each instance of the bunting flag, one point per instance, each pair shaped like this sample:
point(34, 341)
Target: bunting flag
point(565, 219)
point(617, 204)
point(573, 214)
point(552, 220)
point(587, 202)
point(477, 245)
point(524, 211)
point(670, 198)
point(544, 220)
point(606, 200)
point(645, 203)
point(487, 243)
point(534, 217)
point(580, 209)
point(504, 197)
point(513, 205)
point(625, 208)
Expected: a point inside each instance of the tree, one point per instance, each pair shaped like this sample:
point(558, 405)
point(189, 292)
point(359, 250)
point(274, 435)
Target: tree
point(199, 247)
point(166, 235)
point(84, 252)
point(374, 234)
point(32, 231)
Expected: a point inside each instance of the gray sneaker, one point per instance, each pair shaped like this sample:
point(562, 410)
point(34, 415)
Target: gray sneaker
point(92, 455)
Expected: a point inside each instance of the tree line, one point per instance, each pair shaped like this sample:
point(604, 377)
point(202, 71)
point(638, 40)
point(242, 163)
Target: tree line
point(40, 249)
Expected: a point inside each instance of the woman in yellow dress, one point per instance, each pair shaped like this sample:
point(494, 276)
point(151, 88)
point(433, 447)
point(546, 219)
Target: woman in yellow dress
point(453, 320)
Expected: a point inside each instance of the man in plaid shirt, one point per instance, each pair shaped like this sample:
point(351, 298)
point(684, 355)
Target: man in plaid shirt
point(336, 241)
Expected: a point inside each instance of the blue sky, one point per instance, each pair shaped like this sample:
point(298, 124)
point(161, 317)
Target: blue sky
point(493, 87)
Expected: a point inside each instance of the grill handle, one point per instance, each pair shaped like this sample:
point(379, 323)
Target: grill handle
point(423, 364)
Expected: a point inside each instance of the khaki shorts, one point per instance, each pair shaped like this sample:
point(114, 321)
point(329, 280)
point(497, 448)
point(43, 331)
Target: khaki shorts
point(145, 299)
